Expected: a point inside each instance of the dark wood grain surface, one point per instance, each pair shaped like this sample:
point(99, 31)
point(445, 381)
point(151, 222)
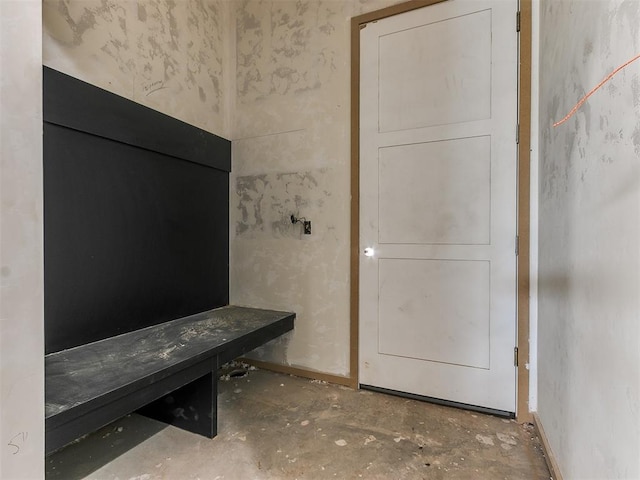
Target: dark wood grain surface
point(78, 105)
point(118, 364)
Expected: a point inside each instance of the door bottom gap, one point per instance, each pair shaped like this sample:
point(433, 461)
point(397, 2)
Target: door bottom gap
point(439, 401)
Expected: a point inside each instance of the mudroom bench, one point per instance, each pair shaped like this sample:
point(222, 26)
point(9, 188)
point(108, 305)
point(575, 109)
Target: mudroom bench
point(166, 371)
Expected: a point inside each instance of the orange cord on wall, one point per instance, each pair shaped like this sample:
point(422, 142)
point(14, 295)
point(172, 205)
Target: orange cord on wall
point(584, 99)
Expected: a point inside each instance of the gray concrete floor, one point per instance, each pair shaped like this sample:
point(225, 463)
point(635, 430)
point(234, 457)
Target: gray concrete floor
point(273, 426)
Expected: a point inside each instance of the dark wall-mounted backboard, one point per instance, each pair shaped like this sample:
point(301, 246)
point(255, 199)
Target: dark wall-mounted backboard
point(136, 215)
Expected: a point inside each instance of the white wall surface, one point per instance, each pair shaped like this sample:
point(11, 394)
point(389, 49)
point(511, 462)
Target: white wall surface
point(589, 238)
point(291, 141)
point(533, 234)
point(21, 257)
point(166, 55)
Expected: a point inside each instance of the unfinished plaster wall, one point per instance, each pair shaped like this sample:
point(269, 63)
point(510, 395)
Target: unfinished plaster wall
point(21, 258)
point(589, 238)
point(533, 210)
point(291, 156)
point(165, 54)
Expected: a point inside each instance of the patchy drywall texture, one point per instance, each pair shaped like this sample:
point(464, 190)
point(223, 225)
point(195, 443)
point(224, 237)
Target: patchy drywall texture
point(21, 257)
point(533, 220)
point(263, 207)
point(589, 276)
point(275, 265)
point(292, 62)
point(165, 54)
point(291, 156)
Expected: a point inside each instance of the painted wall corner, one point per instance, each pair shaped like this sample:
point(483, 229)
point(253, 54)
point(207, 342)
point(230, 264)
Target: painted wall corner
point(21, 242)
point(291, 155)
point(589, 260)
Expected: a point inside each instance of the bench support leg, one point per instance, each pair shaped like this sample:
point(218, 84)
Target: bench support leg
point(192, 407)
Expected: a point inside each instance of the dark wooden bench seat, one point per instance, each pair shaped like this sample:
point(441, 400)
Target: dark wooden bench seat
point(170, 369)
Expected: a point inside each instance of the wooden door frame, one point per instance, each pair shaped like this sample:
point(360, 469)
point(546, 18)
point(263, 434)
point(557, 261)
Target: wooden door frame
point(524, 118)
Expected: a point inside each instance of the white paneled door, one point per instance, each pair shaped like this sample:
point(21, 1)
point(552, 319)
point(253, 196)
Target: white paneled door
point(438, 122)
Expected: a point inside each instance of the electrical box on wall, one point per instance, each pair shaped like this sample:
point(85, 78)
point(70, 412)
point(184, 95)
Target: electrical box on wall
point(306, 224)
